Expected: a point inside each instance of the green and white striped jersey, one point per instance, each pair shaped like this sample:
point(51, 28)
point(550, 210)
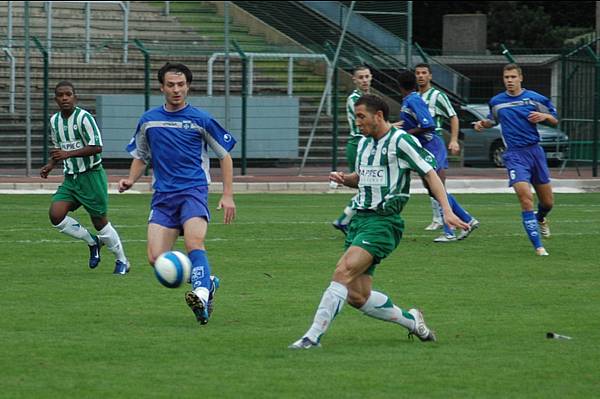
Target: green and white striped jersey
point(384, 166)
point(439, 106)
point(74, 133)
point(352, 99)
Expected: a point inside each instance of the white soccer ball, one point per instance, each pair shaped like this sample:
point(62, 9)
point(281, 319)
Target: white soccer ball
point(172, 269)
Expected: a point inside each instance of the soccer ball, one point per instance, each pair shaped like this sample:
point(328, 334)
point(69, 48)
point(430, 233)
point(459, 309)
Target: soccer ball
point(172, 269)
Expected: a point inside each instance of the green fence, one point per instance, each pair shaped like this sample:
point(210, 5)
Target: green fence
point(580, 102)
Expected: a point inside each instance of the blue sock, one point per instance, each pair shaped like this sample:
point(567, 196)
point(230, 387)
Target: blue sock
point(458, 210)
point(530, 224)
point(200, 269)
point(542, 212)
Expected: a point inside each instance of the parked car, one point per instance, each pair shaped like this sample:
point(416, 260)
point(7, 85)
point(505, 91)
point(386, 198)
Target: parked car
point(487, 146)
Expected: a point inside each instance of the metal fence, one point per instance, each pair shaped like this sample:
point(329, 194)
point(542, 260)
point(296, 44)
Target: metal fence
point(580, 103)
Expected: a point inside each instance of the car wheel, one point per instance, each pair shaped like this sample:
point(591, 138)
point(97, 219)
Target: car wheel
point(496, 152)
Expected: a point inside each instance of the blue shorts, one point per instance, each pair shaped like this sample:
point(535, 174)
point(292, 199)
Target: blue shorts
point(173, 209)
point(437, 147)
point(527, 164)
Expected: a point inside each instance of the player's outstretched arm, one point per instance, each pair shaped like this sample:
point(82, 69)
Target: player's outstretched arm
point(350, 180)
point(46, 169)
point(484, 124)
point(453, 145)
point(136, 171)
point(538, 117)
point(226, 203)
point(439, 192)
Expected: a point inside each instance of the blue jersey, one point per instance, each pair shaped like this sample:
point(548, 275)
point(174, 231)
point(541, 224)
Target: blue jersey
point(177, 143)
point(512, 112)
point(415, 114)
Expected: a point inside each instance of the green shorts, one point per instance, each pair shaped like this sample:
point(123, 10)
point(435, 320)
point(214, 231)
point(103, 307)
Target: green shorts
point(378, 235)
point(89, 189)
point(351, 152)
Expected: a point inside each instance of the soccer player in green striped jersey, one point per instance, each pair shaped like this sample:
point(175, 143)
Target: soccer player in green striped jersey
point(440, 109)
point(361, 76)
point(386, 156)
point(77, 143)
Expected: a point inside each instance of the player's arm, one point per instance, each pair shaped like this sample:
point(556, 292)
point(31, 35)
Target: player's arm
point(349, 180)
point(226, 203)
point(453, 145)
point(539, 117)
point(46, 169)
point(136, 170)
point(483, 124)
point(60, 155)
point(439, 192)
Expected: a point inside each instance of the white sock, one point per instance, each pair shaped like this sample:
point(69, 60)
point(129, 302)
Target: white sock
point(202, 293)
point(380, 306)
point(71, 227)
point(349, 212)
point(109, 237)
point(331, 304)
point(436, 211)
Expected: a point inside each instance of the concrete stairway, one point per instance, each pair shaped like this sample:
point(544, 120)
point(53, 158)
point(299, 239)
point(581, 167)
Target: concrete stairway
point(192, 25)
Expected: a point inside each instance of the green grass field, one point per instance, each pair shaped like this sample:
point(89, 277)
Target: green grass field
point(70, 332)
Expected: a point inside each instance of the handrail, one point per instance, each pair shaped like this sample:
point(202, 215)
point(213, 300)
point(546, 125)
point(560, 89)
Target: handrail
point(11, 106)
point(244, 58)
point(124, 7)
point(289, 56)
point(44, 52)
point(138, 43)
point(9, 32)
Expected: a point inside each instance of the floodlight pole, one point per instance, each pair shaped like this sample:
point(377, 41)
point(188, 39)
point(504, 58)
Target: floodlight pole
point(327, 88)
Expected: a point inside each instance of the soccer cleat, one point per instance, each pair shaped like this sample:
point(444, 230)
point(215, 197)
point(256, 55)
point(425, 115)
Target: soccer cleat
point(341, 227)
point(544, 227)
point(95, 253)
point(421, 330)
point(541, 252)
point(211, 294)
point(445, 238)
point(435, 225)
point(121, 267)
point(304, 343)
point(473, 224)
point(198, 306)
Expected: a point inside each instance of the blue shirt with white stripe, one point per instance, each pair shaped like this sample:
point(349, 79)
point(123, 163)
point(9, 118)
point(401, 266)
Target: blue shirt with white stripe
point(415, 114)
point(512, 112)
point(176, 143)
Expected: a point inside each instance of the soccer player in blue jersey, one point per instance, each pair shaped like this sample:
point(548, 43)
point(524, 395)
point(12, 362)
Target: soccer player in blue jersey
point(519, 110)
point(175, 138)
point(416, 120)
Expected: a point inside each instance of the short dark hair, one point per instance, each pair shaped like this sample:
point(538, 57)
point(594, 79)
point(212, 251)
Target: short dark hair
point(176, 67)
point(360, 68)
point(512, 66)
point(64, 83)
point(423, 65)
point(407, 80)
point(373, 104)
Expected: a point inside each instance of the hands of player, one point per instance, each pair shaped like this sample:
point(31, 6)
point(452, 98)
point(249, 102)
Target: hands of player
point(478, 126)
point(226, 203)
point(454, 221)
point(58, 155)
point(46, 169)
point(537, 117)
point(454, 147)
point(337, 177)
point(125, 184)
